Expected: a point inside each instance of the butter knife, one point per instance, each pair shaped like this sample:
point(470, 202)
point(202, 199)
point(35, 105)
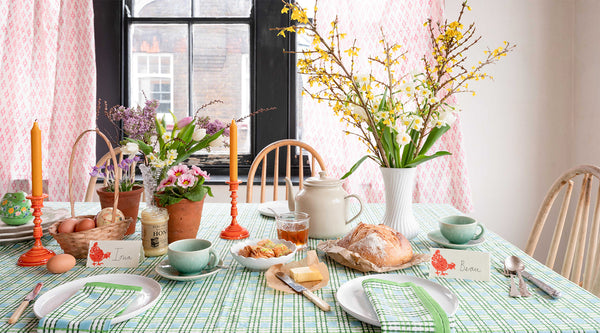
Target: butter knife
point(546, 288)
point(30, 297)
point(300, 289)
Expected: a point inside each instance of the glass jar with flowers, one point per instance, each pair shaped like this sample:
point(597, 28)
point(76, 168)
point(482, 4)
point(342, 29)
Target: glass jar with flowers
point(397, 116)
point(170, 183)
point(130, 191)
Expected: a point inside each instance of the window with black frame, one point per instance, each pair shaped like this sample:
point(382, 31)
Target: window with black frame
point(186, 53)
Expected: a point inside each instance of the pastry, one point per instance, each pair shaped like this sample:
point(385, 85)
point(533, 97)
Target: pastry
point(379, 244)
point(264, 249)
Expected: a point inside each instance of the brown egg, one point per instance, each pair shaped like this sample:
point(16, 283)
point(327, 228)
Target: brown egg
point(60, 263)
point(85, 224)
point(67, 225)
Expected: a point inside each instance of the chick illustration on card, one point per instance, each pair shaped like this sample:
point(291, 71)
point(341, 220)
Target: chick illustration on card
point(459, 264)
point(440, 264)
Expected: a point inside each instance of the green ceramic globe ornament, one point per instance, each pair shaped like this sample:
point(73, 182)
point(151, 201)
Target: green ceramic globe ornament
point(15, 209)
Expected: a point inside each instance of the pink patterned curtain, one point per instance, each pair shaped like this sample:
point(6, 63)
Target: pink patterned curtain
point(48, 73)
point(442, 180)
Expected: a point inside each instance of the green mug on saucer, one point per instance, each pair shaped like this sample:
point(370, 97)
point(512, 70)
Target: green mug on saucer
point(191, 256)
point(460, 229)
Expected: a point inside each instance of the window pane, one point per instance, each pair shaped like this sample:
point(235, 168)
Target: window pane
point(222, 8)
point(161, 8)
point(165, 65)
point(160, 55)
point(221, 70)
point(153, 65)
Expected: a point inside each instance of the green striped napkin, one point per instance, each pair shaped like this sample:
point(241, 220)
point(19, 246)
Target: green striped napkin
point(91, 309)
point(405, 307)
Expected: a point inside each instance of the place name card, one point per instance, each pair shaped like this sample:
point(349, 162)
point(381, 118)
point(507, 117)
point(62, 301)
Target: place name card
point(458, 264)
point(115, 253)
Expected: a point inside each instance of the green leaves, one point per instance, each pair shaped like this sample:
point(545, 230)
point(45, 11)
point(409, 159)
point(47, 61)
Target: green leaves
point(433, 136)
point(422, 158)
point(354, 167)
point(403, 156)
point(205, 142)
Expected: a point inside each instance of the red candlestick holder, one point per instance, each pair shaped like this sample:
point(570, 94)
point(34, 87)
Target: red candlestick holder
point(38, 255)
point(234, 230)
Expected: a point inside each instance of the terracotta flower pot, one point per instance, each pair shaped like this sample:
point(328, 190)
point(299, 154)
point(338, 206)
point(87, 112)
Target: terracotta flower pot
point(184, 219)
point(129, 203)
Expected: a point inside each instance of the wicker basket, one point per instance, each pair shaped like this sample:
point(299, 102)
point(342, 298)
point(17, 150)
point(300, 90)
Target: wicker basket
point(77, 243)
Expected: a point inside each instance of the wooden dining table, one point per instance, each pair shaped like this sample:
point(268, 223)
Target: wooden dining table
point(239, 300)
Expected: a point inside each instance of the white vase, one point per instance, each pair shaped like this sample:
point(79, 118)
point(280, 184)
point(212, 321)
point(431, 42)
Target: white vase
point(399, 184)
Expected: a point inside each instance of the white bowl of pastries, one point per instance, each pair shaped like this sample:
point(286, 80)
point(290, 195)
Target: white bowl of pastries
point(259, 255)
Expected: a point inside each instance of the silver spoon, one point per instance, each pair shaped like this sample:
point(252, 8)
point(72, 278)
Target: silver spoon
point(515, 265)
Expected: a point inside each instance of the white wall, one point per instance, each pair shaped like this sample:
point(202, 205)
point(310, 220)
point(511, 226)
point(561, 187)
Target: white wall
point(587, 83)
point(519, 129)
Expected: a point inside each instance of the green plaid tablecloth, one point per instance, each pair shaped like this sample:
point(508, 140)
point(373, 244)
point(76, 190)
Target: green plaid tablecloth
point(238, 300)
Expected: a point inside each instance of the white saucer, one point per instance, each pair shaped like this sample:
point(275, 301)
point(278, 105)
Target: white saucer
point(436, 237)
point(165, 270)
point(279, 207)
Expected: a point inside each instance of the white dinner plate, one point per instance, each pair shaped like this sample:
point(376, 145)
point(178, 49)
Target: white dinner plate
point(279, 207)
point(52, 299)
point(165, 270)
point(21, 237)
point(437, 237)
point(352, 298)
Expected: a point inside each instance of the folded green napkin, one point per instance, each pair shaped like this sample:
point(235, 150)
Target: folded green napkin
point(405, 307)
point(91, 309)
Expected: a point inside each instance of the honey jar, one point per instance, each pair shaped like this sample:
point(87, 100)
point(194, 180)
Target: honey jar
point(154, 231)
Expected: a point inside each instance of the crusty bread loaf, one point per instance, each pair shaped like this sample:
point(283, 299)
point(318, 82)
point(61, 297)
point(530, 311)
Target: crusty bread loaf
point(380, 244)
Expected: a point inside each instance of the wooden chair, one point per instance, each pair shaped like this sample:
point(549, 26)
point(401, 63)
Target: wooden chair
point(261, 158)
point(91, 189)
point(582, 254)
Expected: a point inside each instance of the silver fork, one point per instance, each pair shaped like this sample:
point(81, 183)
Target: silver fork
point(513, 292)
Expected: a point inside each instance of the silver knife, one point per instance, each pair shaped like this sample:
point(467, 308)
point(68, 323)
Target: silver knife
point(30, 297)
point(546, 288)
point(300, 289)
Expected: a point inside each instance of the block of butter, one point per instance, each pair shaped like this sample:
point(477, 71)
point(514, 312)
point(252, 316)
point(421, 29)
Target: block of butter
point(304, 274)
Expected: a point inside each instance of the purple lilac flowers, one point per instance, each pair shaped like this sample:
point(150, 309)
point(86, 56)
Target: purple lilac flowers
point(138, 122)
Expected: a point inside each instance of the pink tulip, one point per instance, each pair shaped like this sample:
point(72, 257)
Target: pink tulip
point(184, 121)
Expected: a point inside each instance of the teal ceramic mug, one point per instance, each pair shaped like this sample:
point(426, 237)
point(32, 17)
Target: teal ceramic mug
point(189, 256)
point(460, 229)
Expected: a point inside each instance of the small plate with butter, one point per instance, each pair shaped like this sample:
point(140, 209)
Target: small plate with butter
point(308, 272)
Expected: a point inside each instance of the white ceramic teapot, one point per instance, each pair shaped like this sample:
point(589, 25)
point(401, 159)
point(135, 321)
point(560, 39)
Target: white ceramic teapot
point(324, 200)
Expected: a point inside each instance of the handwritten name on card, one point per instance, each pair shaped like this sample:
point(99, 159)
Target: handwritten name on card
point(471, 265)
point(112, 253)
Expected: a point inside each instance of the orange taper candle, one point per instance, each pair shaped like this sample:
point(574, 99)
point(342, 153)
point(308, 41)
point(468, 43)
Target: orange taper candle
point(36, 160)
point(233, 156)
